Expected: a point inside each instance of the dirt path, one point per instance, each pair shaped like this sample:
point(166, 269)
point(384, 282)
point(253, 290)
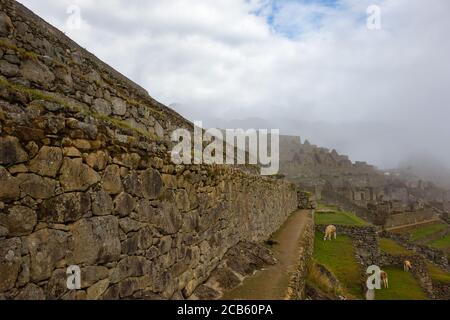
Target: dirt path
point(272, 283)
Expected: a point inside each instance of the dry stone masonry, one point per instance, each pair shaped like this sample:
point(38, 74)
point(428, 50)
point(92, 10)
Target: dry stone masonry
point(86, 180)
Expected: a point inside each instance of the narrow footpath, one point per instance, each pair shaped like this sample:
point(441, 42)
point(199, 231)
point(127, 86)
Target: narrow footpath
point(272, 283)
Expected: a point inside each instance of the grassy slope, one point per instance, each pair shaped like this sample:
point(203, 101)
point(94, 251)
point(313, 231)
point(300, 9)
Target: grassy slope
point(423, 231)
point(402, 286)
point(437, 274)
point(339, 218)
point(338, 256)
point(392, 247)
point(443, 243)
point(427, 230)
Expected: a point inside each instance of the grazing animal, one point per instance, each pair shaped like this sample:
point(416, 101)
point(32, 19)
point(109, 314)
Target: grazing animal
point(407, 265)
point(384, 279)
point(330, 232)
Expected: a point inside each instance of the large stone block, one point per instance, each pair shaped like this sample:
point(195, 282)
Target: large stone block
point(76, 176)
point(102, 107)
point(19, 221)
point(96, 240)
point(37, 72)
point(68, 207)
point(6, 26)
point(47, 250)
point(47, 162)
point(131, 267)
point(9, 186)
point(36, 186)
point(10, 258)
point(119, 106)
point(102, 204)
point(124, 204)
point(11, 152)
point(151, 184)
point(111, 179)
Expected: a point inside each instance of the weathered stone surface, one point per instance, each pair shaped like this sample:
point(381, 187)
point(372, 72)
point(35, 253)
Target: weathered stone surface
point(119, 106)
point(71, 152)
point(11, 151)
point(24, 275)
point(9, 186)
point(182, 200)
point(96, 291)
point(130, 267)
point(129, 286)
point(129, 160)
point(57, 285)
point(47, 162)
point(18, 168)
point(8, 69)
point(3, 231)
point(10, 252)
point(102, 204)
point(169, 181)
point(31, 292)
point(151, 184)
point(76, 176)
point(20, 220)
point(93, 274)
point(111, 179)
point(124, 204)
point(47, 249)
point(101, 106)
point(96, 240)
point(128, 225)
point(6, 26)
point(97, 160)
point(37, 72)
point(68, 207)
point(36, 186)
point(132, 184)
point(159, 130)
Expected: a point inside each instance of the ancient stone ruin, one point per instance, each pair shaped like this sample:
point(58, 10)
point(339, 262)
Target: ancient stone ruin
point(86, 180)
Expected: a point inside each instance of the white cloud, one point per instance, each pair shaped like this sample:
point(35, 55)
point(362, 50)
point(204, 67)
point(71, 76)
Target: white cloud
point(314, 62)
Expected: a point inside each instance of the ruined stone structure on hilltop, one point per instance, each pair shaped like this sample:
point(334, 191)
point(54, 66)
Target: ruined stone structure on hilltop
point(86, 179)
point(359, 186)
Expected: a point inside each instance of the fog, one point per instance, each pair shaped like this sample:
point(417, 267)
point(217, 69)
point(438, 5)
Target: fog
point(310, 68)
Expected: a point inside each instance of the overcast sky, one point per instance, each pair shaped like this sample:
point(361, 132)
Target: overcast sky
point(310, 67)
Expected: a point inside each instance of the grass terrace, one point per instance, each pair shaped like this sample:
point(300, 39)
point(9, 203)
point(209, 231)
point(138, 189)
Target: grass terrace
point(402, 286)
point(327, 215)
point(425, 230)
point(392, 247)
point(338, 256)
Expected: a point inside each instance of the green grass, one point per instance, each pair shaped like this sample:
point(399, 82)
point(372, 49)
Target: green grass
point(338, 256)
point(402, 286)
point(339, 218)
point(437, 274)
point(420, 232)
point(392, 247)
point(443, 243)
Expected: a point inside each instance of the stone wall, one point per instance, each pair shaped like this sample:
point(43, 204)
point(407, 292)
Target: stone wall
point(297, 284)
point(86, 179)
point(306, 200)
